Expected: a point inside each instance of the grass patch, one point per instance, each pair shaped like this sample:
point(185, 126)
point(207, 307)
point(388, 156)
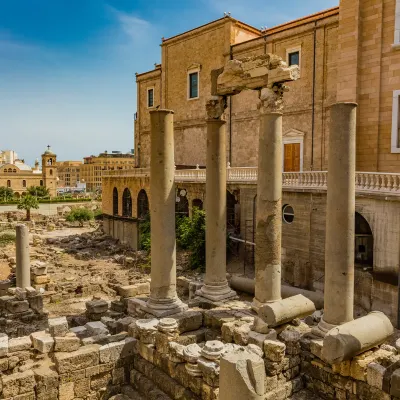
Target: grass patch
point(6, 238)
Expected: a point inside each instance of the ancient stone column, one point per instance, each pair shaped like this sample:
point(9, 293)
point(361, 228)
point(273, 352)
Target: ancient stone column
point(23, 272)
point(340, 211)
point(269, 199)
point(163, 297)
point(216, 287)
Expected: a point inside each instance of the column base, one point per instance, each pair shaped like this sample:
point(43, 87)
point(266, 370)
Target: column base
point(322, 328)
point(161, 308)
point(219, 293)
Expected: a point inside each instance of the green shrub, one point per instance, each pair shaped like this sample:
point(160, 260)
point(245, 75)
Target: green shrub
point(144, 234)
point(190, 235)
point(6, 238)
point(80, 214)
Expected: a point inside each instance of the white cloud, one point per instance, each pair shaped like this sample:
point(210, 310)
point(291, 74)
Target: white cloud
point(134, 28)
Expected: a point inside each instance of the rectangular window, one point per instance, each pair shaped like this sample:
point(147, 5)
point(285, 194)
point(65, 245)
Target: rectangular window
point(396, 43)
point(193, 85)
point(294, 58)
point(396, 122)
point(150, 98)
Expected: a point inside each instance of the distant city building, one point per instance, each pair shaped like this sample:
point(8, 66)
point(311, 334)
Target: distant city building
point(18, 176)
point(92, 169)
point(68, 173)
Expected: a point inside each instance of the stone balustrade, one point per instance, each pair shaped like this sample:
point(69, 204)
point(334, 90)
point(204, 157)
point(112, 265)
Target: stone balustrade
point(366, 182)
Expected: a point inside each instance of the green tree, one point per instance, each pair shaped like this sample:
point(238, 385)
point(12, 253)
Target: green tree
point(80, 214)
point(39, 191)
point(27, 203)
point(6, 194)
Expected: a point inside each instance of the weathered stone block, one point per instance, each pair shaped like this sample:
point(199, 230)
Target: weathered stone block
point(85, 357)
point(259, 338)
point(70, 342)
point(100, 381)
point(58, 326)
point(46, 379)
point(96, 328)
point(134, 290)
point(17, 306)
point(189, 321)
point(375, 374)
point(3, 345)
point(42, 342)
point(18, 383)
point(113, 351)
point(66, 391)
point(41, 279)
point(96, 306)
point(395, 383)
point(274, 350)
point(82, 388)
point(19, 344)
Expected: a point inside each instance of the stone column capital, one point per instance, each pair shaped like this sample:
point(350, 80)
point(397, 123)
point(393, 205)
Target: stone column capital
point(215, 108)
point(271, 99)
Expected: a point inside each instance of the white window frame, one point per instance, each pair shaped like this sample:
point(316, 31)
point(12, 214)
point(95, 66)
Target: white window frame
point(294, 50)
point(396, 43)
point(290, 137)
point(154, 92)
point(192, 71)
point(395, 123)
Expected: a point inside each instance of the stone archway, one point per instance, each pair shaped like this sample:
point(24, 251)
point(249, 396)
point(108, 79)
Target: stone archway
point(126, 203)
point(182, 203)
point(115, 201)
point(197, 203)
point(142, 204)
point(363, 242)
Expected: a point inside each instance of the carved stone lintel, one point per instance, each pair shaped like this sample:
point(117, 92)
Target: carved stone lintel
point(272, 98)
point(215, 107)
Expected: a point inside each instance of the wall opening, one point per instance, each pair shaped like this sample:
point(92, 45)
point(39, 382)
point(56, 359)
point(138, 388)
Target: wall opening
point(115, 201)
point(364, 243)
point(142, 204)
point(181, 203)
point(127, 203)
point(197, 203)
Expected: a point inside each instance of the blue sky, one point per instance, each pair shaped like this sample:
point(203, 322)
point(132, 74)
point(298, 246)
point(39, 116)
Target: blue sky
point(67, 67)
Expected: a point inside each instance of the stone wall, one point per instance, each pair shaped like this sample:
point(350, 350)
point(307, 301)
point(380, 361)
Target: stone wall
point(123, 351)
point(123, 229)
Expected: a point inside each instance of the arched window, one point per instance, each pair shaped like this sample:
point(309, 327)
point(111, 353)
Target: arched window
point(51, 172)
point(197, 203)
point(24, 183)
point(50, 161)
point(9, 170)
point(41, 182)
point(115, 201)
point(142, 204)
point(14, 170)
point(127, 203)
point(182, 203)
point(364, 242)
point(9, 183)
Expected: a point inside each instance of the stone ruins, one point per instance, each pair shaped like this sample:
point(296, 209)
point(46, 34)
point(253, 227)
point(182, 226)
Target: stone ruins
point(149, 344)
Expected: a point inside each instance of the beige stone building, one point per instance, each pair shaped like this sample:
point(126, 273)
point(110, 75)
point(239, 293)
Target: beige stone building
point(348, 53)
point(19, 176)
point(93, 167)
point(68, 173)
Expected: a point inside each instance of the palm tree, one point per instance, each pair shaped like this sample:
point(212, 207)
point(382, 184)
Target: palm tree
point(27, 203)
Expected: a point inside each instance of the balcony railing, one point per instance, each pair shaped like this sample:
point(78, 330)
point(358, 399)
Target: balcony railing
point(371, 182)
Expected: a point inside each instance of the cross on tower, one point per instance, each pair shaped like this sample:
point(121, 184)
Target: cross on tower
point(48, 147)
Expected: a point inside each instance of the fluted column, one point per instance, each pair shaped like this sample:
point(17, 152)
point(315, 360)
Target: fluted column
point(163, 296)
point(216, 286)
point(340, 211)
